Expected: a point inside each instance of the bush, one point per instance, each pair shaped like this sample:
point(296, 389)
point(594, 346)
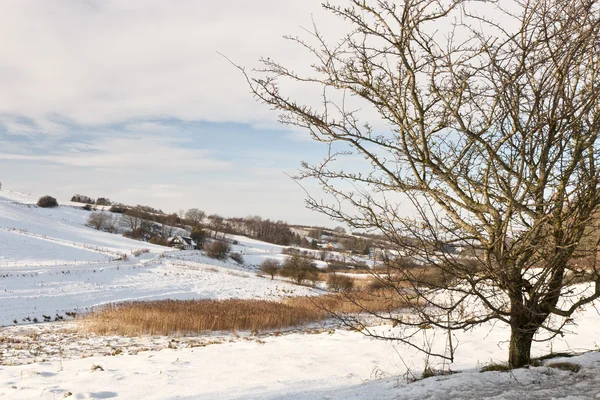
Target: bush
point(97, 220)
point(237, 257)
point(47, 202)
point(159, 240)
point(135, 234)
point(300, 269)
point(103, 201)
point(118, 208)
point(217, 249)
point(340, 283)
point(270, 267)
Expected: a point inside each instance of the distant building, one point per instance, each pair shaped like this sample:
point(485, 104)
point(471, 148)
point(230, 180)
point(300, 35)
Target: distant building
point(182, 243)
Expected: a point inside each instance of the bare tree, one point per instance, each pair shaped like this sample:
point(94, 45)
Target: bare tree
point(270, 267)
point(195, 216)
point(98, 220)
point(167, 224)
point(132, 219)
point(216, 223)
point(490, 128)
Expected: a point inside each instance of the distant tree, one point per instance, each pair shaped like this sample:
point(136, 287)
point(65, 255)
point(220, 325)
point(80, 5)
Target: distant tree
point(167, 224)
point(198, 235)
point(216, 223)
point(195, 216)
point(136, 221)
point(103, 201)
point(79, 198)
point(339, 230)
point(340, 283)
point(299, 269)
point(109, 223)
point(270, 267)
point(217, 249)
point(47, 202)
point(98, 220)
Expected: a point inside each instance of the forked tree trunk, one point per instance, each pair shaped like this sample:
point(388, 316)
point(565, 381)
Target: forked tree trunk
point(519, 353)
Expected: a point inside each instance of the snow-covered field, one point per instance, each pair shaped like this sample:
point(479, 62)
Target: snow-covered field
point(301, 366)
point(51, 263)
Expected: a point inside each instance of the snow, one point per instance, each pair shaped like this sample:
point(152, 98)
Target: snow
point(299, 366)
point(61, 225)
point(52, 263)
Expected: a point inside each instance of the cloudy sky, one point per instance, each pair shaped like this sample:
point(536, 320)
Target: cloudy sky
point(130, 100)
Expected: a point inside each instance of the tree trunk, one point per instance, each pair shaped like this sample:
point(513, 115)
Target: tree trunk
point(519, 353)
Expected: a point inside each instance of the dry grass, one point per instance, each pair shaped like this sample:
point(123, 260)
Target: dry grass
point(497, 367)
point(350, 302)
point(381, 277)
point(168, 317)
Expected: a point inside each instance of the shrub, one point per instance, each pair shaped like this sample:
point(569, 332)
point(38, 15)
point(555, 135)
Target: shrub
point(300, 269)
point(270, 267)
point(159, 240)
point(136, 234)
point(217, 249)
point(117, 208)
point(97, 220)
point(340, 283)
point(237, 257)
point(47, 202)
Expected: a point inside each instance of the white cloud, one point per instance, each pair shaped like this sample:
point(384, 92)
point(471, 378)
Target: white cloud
point(145, 153)
point(72, 65)
point(97, 62)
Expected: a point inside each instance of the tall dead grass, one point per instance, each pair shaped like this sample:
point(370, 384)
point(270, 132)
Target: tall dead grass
point(167, 317)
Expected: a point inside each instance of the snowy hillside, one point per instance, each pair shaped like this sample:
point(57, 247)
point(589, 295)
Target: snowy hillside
point(51, 263)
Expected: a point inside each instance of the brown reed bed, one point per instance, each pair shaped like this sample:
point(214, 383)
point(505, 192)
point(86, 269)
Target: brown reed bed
point(167, 317)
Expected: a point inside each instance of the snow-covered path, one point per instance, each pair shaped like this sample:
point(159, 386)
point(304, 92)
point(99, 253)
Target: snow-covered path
point(342, 365)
